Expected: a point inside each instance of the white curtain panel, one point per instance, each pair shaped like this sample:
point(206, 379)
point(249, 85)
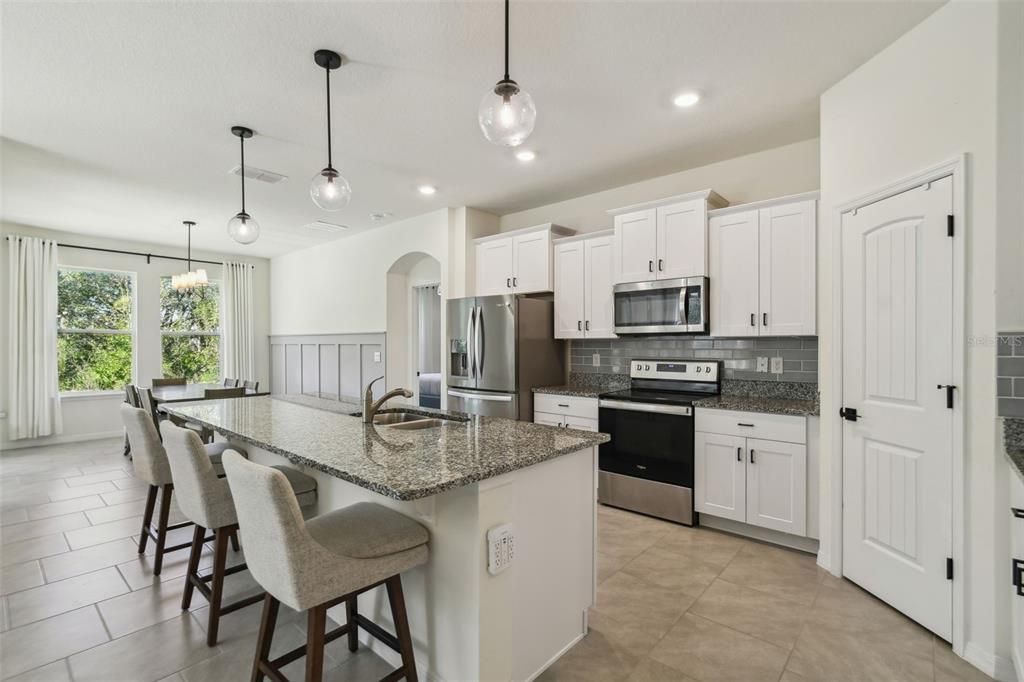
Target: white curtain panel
point(239, 361)
point(33, 399)
point(428, 308)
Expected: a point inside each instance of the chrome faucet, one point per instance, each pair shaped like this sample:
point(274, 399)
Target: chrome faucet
point(370, 408)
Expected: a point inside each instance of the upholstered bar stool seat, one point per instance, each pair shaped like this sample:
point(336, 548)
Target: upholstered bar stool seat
point(206, 500)
point(316, 564)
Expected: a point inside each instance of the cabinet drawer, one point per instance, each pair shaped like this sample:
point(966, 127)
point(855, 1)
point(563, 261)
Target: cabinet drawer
point(565, 405)
point(581, 423)
point(781, 427)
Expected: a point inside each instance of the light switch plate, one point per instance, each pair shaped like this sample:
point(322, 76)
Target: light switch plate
point(501, 548)
point(376, 356)
point(595, 359)
point(776, 365)
point(762, 363)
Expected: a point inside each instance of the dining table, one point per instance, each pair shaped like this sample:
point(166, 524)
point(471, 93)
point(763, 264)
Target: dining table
point(183, 393)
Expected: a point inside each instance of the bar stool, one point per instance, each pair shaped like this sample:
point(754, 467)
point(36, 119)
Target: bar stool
point(206, 501)
point(149, 460)
point(316, 564)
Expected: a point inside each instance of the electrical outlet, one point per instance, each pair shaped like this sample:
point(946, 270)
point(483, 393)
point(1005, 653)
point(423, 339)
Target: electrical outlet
point(762, 363)
point(776, 365)
point(501, 548)
point(595, 359)
point(376, 356)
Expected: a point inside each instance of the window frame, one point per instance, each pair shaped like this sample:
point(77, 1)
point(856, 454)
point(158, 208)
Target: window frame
point(132, 330)
point(220, 319)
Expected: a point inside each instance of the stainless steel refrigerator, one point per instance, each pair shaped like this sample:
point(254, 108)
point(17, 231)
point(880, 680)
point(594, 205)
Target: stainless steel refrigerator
point(499, 349)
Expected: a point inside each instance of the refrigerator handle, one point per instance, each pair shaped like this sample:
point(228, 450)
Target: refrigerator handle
point(469, 341)
point(481, 341)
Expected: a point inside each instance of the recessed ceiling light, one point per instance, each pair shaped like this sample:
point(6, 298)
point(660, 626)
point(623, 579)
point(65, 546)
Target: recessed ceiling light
point(686, 99)
point(427, 190)
point(526, 156)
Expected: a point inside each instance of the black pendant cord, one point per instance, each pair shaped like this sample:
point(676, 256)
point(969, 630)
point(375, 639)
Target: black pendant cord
point(241, 141)
point(506, 40)
point(330, 161)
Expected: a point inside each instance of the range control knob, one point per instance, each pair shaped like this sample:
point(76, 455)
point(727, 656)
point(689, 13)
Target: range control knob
point(647, 368)
point(639, 367)
point(708, 369)
point(698, 369)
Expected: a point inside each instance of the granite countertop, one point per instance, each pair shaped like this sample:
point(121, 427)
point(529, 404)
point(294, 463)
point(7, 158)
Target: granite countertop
point(1013, 439)
point(401, 464)
point(572, 390)
point(766, 405)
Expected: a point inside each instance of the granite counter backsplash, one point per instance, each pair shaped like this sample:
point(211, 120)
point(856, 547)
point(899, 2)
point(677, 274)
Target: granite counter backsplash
point(1013, 440)
point(402, 464)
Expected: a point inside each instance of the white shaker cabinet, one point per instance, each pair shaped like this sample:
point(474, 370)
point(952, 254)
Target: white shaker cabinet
point(567, 412)
point(518, 262)
point(720, 476)
point(636, 246)
point(584, 305)
point(762, 268)
point(682, 239)
point(777, 485)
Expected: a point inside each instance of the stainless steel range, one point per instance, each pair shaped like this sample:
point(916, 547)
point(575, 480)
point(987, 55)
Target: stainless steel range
point(648, 465)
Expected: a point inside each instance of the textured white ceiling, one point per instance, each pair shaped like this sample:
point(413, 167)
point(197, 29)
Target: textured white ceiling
point(116, 116)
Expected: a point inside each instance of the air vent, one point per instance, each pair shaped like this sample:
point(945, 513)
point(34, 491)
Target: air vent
point(322, 226)
point(260, 175)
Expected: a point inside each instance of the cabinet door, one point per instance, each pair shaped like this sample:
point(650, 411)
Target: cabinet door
point(494, 267)
point(531, 262)
point(720, 480)
point(636, 246)
point(734, 278)
point(777, 485)
point(570, 297)
point(599, 321)
point(682, 240)
point(786, 238)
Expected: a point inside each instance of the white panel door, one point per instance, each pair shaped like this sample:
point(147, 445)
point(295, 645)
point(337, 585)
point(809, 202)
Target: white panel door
point(720, 478)
point(897, 347)
point(636, 246)
point(570, 295)
point(777, 485)
point(599, 322)
point(786, 238)
point(682, 240)
point(734, 275)
point(494, 267)
point(531, 262)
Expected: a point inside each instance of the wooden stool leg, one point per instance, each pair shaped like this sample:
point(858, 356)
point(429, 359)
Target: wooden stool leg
point(316, 630)
point(220, 556)
point(161, 531)
point(351, 610)
point(397, 599)
point(147, 518)
point(234, 540)
point(265, 637)
point(193, 566)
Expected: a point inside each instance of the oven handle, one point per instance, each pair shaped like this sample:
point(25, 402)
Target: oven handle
point(682, 410)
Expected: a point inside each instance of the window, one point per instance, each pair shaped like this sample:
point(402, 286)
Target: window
point(94, 329)
point(190, 332)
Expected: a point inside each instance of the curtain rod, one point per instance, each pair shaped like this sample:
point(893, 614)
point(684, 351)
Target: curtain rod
point(147, 256)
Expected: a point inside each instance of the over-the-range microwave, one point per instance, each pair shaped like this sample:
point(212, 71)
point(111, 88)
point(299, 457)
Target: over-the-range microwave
point(667, 306)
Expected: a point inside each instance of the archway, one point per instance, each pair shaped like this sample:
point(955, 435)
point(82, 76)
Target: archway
point(415, 327)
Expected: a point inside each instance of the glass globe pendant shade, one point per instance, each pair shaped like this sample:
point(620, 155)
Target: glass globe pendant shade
point(507, 114)
point(329, 190)
point(243, 229)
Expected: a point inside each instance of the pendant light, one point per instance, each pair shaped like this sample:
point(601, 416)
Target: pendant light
point(329, 190)
point(507, 114)
point(242, 228)
point(190, 280)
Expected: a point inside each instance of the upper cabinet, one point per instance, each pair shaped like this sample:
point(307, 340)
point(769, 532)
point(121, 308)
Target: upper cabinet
point(518, 262)
point(664, 239)
point(762, 268)
point(584, 307)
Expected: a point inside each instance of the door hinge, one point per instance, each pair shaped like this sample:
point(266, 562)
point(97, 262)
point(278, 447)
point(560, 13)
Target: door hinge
point(949, 225)
point(949, 568)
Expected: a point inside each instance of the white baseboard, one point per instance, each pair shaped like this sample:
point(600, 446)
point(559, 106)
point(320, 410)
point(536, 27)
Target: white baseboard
point(763, 534)
point(59, 440)
point(997, 667)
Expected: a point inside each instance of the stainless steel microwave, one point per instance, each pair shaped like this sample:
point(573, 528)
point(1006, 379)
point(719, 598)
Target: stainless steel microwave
point(667, 306)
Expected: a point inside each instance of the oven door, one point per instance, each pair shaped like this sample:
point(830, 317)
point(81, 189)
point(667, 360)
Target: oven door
point(671, 306)
point(649, 441)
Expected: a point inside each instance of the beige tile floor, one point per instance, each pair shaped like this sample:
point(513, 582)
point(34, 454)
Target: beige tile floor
point(78, 603)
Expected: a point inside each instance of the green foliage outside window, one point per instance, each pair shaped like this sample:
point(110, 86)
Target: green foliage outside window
point(190, 326)
point(94, 319)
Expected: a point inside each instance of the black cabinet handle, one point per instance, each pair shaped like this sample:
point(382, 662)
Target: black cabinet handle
point(752, 460)
point(508, 282)
point(765, 319)
point(579, 325)
point(515, 281)
point(739, 454)
point(650, 266)
point(752, 322)
point(1017, 513)
point(661, 264)
point(1017, 576)
point(742, 424)
point(586, 325)
point(562, 405)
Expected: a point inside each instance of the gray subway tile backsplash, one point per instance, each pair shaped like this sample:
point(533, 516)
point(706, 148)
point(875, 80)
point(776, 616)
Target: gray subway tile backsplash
point(1010, 374)
point(738, 356)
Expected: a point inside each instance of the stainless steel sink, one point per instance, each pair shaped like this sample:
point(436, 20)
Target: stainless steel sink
point(415, 424)
point(389, 418)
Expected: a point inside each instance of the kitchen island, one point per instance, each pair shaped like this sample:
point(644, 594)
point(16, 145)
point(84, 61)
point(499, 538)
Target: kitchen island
point(459, 477)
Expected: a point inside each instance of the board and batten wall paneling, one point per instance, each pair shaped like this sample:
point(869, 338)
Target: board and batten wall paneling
point(337, 366)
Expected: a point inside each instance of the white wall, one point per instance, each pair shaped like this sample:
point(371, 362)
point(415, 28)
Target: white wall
point(928, 97)
point(93, 416)
point(763, 175)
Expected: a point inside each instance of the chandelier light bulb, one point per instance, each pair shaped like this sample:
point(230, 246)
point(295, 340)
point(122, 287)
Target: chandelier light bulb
point(329, 190)
point(243, 229)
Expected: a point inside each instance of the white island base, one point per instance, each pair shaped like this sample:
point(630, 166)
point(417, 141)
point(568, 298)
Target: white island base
point(466, 623)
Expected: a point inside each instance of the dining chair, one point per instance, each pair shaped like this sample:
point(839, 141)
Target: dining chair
point(173, 381)
point(230, 383)
point(253, 386)
point(131, 397)
point(214, 393)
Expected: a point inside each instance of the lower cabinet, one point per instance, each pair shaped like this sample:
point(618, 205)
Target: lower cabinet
point(1017, 570)
point(753, 480)
point(567, 412)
